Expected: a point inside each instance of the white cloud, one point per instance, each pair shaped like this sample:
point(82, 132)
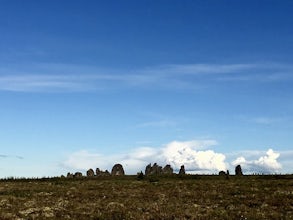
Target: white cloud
point(160, 124)
point(261, 120)
point(264, 164)
point(192, 154)
point(187, 153)
point(62, 77)
point(266, 120)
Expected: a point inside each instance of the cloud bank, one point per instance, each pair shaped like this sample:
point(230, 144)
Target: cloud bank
point(265, 164)
point(196, 155)
point(192, 154)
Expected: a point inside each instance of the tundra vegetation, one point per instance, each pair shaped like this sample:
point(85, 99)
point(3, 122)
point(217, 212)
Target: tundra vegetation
point(140, 197)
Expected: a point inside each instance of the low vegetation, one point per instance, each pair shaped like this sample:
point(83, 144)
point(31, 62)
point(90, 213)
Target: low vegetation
point(131, 197)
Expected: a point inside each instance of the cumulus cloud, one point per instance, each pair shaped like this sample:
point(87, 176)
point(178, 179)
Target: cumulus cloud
point(187, 153)
point(264, 164)
point(193, 154)
point(83, 159)
point(197, 156)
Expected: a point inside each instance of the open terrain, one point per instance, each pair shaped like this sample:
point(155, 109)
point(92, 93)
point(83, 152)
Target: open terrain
point(188, 197)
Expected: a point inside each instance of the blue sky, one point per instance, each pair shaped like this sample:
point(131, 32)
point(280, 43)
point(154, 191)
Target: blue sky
point(89, 84)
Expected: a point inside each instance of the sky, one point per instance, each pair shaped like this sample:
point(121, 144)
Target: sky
point(87, 84)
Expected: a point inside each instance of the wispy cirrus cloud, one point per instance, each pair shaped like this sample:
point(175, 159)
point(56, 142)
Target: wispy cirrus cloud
point(62, 77)
point(159, 124)
point(261, 120)
point(10, 156)
point(266, 120)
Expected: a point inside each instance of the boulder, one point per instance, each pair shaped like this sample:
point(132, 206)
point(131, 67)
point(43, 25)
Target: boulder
point(182, 170)
point(168, 170)
point(117, 170)
point(90, 173)
point(238, 170)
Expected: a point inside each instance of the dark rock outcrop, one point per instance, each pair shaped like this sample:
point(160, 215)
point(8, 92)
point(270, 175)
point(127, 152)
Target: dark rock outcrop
point(106, 173)
point(222, 173)
point(90, 173)
point(102, 173)
point(140, 176)
point(77, 175)
point(117, 170)
point(148, 169)
point(238, 170)
point(167, 170)
point(153, 170)
point(69, 175)
point(182, 170)
point(98, 172)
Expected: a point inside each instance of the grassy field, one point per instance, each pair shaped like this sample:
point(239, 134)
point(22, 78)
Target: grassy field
point(190, 197)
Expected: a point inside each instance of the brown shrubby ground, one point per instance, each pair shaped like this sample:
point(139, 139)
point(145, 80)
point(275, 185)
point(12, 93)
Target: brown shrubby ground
point(174, 197)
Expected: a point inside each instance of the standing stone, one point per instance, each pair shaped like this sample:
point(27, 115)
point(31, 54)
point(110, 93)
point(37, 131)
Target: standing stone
point(154, 170)
point(238, 170)
point(148, 169)
point(140, 176)
point(77, 175)
point(168, 170)
point(102, 173)
point(157, 170)
point(98, 172)
point(227, 175)
point(106, 173)
point(117, 170)
point(69, 175)
point(90, 173)
point(182, 170)
point(222, 173)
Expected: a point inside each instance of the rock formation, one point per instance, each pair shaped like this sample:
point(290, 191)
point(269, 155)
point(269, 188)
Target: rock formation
point(167, 170)
point(106, 173)
point(153, 170)
point(227, 175)
point(90, 173)
point(148, 169)
point(77, 175)
point(69, 175)
point(238, 170)
point(182, 170)
point(222, 173)
point(140, 176)
point(102, 173)
point(117, 170)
